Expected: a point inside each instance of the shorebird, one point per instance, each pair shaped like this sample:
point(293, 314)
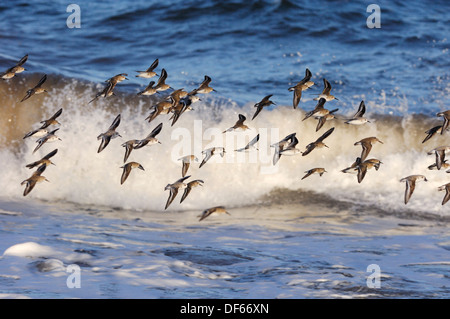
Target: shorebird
point(149, 89)
point(324, 118)
point(250, 145)
point(239, 125)
point(36, 90)
point(52, 120)
point(261, 104)
point(446, 116)
point(109, 134)
point(117, 78)
point(129, 146)
point(210, 152)
point(326, 92)
point(359, 118)
point(301, 86)
point(174, 188)
point(106, 92)
point(318, 143)
point(162, 107)
point(290, 149)
point(186, 160)
point(444, 165)
point(318, 110)
point(213, 211)
point(317, 170)
point(161, 84)
point(445, 188)
point(204, 87)
point(366, 165)
point(281, 145)
point(411, 184)
point(44, 161)
point(34, 179)
point(189, 186)
point(432, 131)
point(127, 169)
point(440, 155)
point(177, 110)
point(149, 73)
point(40, 132)
point(150, 139)
point(366, 144)
point(12, 71)
point(49, 137)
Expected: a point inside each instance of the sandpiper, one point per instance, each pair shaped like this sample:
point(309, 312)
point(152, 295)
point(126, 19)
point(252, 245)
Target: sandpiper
point(149, 73)
point(109, 134)
point(446, 116)
point(150, 139)
point(281, 145)
point(432, 131)
point(177, 110)
point(189, 186)
point(36, 90)
point(40, 132)
point(318, 110)
point(162, 107)
point(174, 188)
point(440, 155)
point(366, 144)
point(161, 84)
point(352, 168)
point(359, 118)
point(210, 152)
point(18, 68)
point(106, 92)
point(445, 188)
point(50, 137)
point(290, 149)
point(261, 104)
point(127, 169)
point(186, 160)
point(149, 89)
point(239, 125)
point(324, 118)
point(213, 211)
point(129, 146)
point(326, 92)
point(52, 120)
point(204, 87)
point(301, 86)
point(250, 145)
point(366, 165)
point(317, 170)
point(411, 184)
point(318, 143)
point(444, 165)
point(117, 78)
point(44, 161)
point(34, 179)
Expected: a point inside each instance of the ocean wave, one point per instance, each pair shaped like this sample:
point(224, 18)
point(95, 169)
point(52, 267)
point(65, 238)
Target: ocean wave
point(82, 175)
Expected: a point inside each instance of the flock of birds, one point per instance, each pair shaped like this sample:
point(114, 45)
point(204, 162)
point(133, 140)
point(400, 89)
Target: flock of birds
point(180, 101)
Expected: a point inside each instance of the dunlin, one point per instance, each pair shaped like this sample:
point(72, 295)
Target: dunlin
point(149, 73)
point(317, 170)
point(250, 145)
point(210, 152)
point(411, 184)
point(109, 134)
point(34, 179)
point(359, 118)
point(440, 155)
point(239, 125)
point(18, 68)
point(301, 86)
point(50, 137)
point(318, 143)
point(445, 188)
point(44, 161)
point(36, 90)
point(127, 169)
point(366, 144)
point(189, 186)
point(174, 188)
point(213, 211)
point(187, 160)
point(150, 139)
point(261, 104)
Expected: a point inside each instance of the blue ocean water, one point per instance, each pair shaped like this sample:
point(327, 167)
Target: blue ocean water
point(284, 237)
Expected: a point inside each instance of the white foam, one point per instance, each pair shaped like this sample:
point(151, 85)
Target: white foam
point(30, 249)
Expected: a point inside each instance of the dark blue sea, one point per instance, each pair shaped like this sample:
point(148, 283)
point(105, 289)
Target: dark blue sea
point(284, 237)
